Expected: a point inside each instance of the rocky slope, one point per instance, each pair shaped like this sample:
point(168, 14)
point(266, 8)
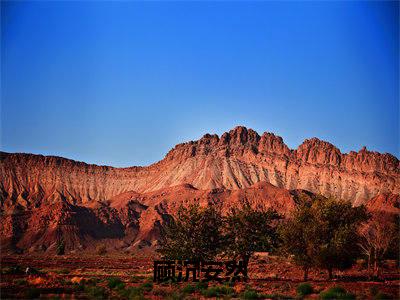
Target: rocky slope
point(43, 198)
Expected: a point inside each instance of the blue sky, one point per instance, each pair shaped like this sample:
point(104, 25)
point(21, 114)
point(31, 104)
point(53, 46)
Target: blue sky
point(120, 83)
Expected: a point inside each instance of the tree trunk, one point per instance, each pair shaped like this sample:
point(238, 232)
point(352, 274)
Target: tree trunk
point(375, 264)
point(246, 259)
point(369, 265)
point(305, 269)
point(330, 273)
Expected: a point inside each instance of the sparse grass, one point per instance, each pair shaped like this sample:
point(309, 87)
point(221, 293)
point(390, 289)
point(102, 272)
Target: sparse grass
point(336, 293)
point(217, 291)
point(138, 278)
point(176, 296)
point(62, 271)
point(95, 292)
point(20, 281)
point(304, 289)
point(131, 293)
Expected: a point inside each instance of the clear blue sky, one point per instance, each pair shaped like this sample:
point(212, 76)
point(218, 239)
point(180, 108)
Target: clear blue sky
point(120, 83)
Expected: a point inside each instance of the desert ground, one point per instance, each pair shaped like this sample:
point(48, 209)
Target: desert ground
point(112, 276)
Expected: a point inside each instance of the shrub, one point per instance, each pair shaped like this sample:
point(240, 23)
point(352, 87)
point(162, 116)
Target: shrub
point(92, 281)
point(78, 287)
point(147, 287)
point(250, 294)
point(304, 289)
point(217, 291)
point(336, 293)
point(189, 289)
point(132, 293)
point(32, 293)
point(138, 278)
point(96, 292)
point(201, 285)
point(63, 271)
point(115, 283)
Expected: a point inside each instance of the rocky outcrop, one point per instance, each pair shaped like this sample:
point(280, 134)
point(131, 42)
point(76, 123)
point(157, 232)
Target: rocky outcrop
point(127, 221)
point(45, 197)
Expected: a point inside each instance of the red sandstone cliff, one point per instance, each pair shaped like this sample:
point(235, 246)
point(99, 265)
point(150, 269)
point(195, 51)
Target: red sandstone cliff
point(43, 198)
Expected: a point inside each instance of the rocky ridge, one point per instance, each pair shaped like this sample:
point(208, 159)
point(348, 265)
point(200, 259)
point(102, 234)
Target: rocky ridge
point(46, 197)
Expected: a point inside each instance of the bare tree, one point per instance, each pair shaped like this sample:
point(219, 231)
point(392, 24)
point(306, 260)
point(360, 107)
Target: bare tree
point(376, 238)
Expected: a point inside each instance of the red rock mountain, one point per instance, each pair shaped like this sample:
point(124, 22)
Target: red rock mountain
point(45, 197)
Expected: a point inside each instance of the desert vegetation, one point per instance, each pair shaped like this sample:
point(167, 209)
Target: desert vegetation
point(326, 249)
point(322, 234)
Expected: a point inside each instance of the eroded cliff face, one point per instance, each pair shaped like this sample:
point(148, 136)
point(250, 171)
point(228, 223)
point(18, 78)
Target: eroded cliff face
point(237, 159)
point(126, 222)
point(45, 198)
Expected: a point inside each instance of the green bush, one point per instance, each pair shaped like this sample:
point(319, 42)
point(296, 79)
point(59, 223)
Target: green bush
point(176, 296)
point(201, 285)
point(189, 289)
point(304, 289)
point(63, 271)
point(147, 287)
point(138, 278)
point(32, 293)
point(249, 294)
point(336, 293)
point(96, 292)
point(115, 283)
point(92, 281)
point(217, 291)
point(131, 293)
point(78, 287)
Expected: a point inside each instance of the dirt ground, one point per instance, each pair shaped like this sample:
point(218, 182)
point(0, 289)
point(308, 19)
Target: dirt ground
point(131, 277)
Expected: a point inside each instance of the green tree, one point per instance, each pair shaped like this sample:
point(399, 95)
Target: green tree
point(248, 230)
point(323, 233)
point(295, 237)
point(195, 233)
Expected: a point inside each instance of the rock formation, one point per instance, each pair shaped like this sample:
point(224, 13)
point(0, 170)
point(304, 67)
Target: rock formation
point(46, 197)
